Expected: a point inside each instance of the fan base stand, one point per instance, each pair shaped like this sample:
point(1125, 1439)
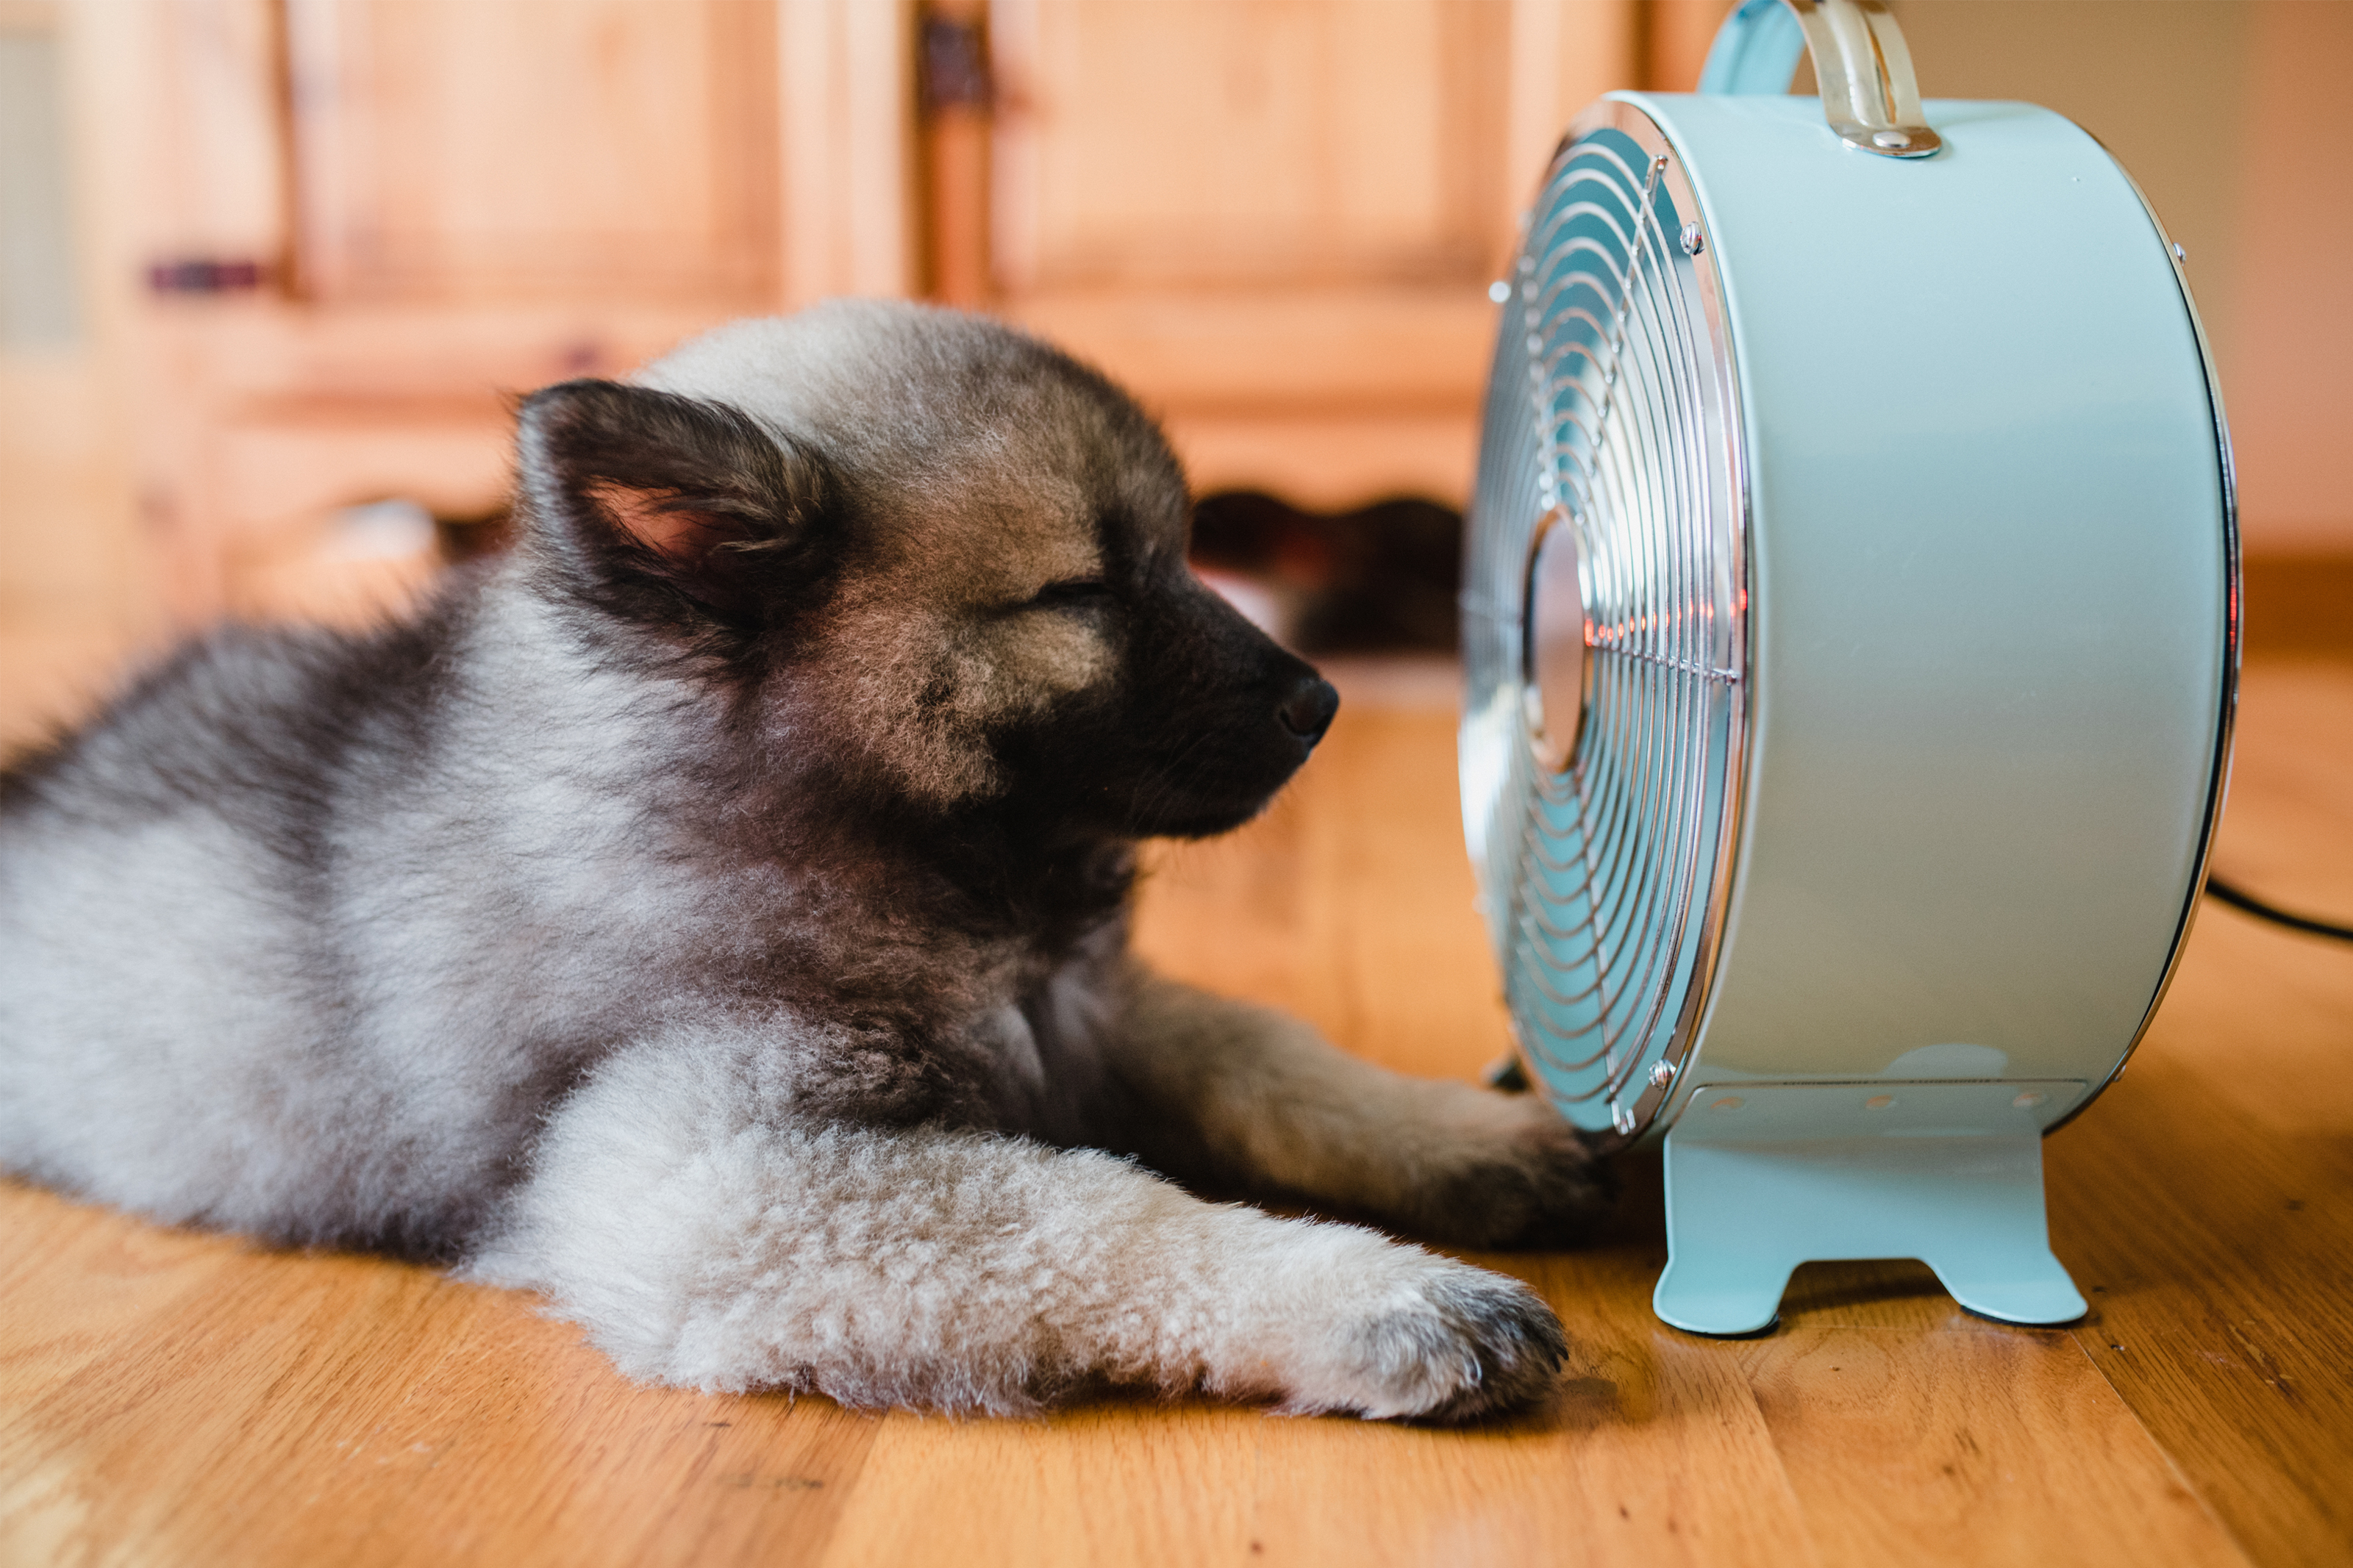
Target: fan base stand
point(1763, 1177)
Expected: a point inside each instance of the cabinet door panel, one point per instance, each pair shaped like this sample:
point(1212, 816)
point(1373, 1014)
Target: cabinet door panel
point(1277, 220)
point(473, 151)
point(1248, 142)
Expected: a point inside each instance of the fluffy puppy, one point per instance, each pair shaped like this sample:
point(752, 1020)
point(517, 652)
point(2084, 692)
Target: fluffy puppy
point(714, 916)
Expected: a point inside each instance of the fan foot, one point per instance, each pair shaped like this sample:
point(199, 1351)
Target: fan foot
point(1763, 1177)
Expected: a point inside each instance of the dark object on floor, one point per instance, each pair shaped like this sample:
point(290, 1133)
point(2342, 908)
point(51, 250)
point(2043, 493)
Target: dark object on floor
point(2237, 899)
point(1382, 578)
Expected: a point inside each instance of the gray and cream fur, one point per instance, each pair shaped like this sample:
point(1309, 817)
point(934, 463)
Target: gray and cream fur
point(712, 915)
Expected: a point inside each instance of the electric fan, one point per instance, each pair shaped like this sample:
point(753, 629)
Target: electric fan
point(1851, 643)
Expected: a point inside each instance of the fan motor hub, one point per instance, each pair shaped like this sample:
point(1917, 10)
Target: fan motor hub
point(1556, 675)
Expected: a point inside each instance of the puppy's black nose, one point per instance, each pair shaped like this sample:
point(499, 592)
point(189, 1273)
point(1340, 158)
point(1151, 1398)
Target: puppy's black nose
point(1307, 711)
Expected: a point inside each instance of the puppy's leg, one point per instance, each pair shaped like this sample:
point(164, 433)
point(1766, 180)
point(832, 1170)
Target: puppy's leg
point(1243, 1094)
point(705, 1247)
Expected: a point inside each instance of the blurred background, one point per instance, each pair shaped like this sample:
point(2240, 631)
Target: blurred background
point(271, 271)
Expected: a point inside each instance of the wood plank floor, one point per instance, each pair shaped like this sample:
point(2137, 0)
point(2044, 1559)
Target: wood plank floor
point(167, 1397)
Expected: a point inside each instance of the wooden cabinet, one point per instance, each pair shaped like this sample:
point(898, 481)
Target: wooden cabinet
point(1248, 143)
point(334, 238)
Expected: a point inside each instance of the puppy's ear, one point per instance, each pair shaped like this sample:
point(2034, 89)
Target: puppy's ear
point(646, 499)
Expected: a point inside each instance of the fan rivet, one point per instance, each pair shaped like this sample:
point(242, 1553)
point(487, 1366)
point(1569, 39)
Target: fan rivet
point(2028, 1100)
point(1690, 238)
point(2180, 252)
point(1661, 1074)
point(1729, 1102)
point(1499, 290)
point(1890, 138)
point(1879, 1103)
point(1621, 1119)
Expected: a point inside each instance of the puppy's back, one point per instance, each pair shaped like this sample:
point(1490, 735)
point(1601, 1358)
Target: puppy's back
point(168, 939)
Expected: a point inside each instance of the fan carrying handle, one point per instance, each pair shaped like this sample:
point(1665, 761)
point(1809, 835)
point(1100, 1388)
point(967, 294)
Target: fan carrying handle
point(1869, 94)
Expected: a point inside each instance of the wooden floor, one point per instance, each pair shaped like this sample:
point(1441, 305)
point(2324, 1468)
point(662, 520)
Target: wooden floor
point(174, 1398)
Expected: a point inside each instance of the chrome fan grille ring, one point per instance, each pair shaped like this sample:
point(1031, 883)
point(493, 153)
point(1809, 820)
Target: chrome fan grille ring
point(1602, 782)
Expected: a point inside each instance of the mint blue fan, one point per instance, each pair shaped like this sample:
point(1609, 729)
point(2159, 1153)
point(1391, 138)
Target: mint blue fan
point(1851, 643)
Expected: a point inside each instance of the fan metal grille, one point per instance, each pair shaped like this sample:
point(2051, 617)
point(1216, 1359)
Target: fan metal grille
point(1612, 410)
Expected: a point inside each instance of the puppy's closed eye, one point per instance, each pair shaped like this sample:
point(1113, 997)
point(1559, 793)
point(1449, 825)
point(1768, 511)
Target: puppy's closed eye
point(1072, 594)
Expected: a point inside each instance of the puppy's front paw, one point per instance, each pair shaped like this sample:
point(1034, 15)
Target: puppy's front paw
point(1519, 1176)
point(1433, 1338)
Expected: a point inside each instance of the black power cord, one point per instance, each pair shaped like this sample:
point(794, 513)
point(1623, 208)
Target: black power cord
point(2240, 900)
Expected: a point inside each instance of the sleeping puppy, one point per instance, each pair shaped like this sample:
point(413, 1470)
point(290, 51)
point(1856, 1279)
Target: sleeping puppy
point(714, 916)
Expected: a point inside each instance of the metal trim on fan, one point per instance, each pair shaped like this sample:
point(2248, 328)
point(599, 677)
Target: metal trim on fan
point(1682, 250)
point(2233, 636)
